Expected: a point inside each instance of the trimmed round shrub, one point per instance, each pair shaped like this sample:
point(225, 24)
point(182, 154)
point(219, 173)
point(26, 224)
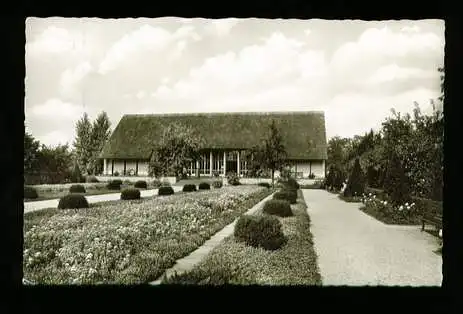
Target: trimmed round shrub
point(91, 179)
point(165, 190)
point(116, 173)
point(141, 184)
point(217, 184)
point(77, 188)
point(288, 195)
point(189, 188)
point(260, 231)
point(114, 185)
point(204, 186)
point(130, 194)
point(264, 184)
point(30, 192)
point(71, 201)
point(280, 208)
point(156, 183)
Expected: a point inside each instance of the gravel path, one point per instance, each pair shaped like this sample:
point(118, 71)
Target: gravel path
point(355, 249)
point(33, 206)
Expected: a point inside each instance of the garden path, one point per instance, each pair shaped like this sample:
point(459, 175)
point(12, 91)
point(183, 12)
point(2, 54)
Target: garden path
point(354, 249)
point(33, 206)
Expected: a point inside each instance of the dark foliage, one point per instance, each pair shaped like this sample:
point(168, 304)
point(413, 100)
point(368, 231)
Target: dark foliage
point(165, 190)
point(130, 194)
point(260, 231)
point(280, 208)
point(71, 201)
point(77, 188)
point(30, 192)
point(189, 188)
point(356, 184)
point(141, 184)
point(204, 186)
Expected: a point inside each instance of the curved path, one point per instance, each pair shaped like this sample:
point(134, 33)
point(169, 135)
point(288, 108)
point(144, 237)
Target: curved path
point(33, 206)
point(355, 249)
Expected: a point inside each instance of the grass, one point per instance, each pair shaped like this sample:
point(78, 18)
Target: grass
point(233, 262)
point(127, 242)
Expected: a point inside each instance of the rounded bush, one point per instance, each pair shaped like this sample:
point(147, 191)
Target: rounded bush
point(189, 188)
point(165, 190)
point(233, 179)
point(141, 184)
point(130, 194)
point(204, 186)
point(264, 184)
point(91, 179)
point(156, 183)
point(114, 185)
point(217, 184)
point(73, 201)
point(77, 188)
point(260, 231)
point(288, 195)
point(30, 192)
point(280, 208)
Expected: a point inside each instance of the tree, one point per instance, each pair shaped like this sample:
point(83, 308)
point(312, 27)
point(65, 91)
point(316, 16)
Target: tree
point(272, 153)
point(56, 162)
point(100, 133)
point(356, 183)
point(396, 184)
point(83, 144)
point(31, 153)
point(177, 147)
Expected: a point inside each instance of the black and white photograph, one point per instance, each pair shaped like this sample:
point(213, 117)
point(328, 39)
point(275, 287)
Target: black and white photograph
point(233, 151)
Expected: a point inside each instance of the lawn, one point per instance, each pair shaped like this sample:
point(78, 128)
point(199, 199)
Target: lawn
point(127, 242)
point(233, 262)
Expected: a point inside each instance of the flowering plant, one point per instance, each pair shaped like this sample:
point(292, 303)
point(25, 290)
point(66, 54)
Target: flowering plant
point(386, 211)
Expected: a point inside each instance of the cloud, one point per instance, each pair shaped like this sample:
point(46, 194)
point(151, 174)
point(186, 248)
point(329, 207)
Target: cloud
point(57, 109)
point(393, 72)
point(55, 40)
point(222, 27)
point(146, 38)
point(55, 138)
point(71, 77)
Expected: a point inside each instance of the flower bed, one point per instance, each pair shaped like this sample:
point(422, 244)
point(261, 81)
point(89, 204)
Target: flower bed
point(407, 214)
point(232, 262)
point(127, 242)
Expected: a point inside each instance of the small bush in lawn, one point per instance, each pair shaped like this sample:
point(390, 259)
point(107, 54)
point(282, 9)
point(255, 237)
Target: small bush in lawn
point(204, 186)
point(77, 188)
point(356, 184)
point(288, 195)
point(71, 201)
point(264, 184)
point(165, 190)
point(116, 173)
point(217, 184)
point(280, 208)
point(130, 194)
point(156, 183)
point(91, 179)
point(30, 192)
point(141, 184)
point(114, 185)
point(233, 179)
point(189, 188)
point(260, 231)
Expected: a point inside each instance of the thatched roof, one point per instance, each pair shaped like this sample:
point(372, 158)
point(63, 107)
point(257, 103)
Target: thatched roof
point(135, 135)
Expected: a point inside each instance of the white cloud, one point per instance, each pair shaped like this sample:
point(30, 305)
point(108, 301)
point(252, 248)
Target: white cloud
point(71, 78)
point(307, 32)
point(394, 72)
point(56, 109)
point(141, 94)
point(55, 138)
point(56, 40)
point(222, 27)
point(146, 38)
point(411, 29)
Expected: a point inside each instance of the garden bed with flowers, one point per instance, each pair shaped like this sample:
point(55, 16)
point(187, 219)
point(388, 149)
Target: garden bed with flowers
point(233, 262)
point(383, 210)
point(127, 242)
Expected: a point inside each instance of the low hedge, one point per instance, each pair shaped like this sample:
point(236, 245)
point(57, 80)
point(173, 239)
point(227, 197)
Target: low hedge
point(264, 184)
point(130, 194)
point(424, 205)
point(280, 208)
point(165, 190)
point(260, 231)
point(72, 201)
point(288, 195)
point(189, 188)
point(30, 192)
point(114, 184)
point(141, 184)
point(77, 188)
point(204, 186)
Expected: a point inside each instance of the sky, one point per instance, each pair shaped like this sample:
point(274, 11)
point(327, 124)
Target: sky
point(355, 71)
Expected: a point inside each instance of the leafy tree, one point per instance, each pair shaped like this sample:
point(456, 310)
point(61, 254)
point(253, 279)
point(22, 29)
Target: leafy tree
point(179, 144)
point(356, 183)
point(100, 134)
point(83, 144)
point(272, 154)
point(396, 184)
point(31, 153)
point(55, 162)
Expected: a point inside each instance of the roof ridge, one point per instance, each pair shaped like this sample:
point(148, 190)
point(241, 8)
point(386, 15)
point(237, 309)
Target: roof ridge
point(223, 113)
